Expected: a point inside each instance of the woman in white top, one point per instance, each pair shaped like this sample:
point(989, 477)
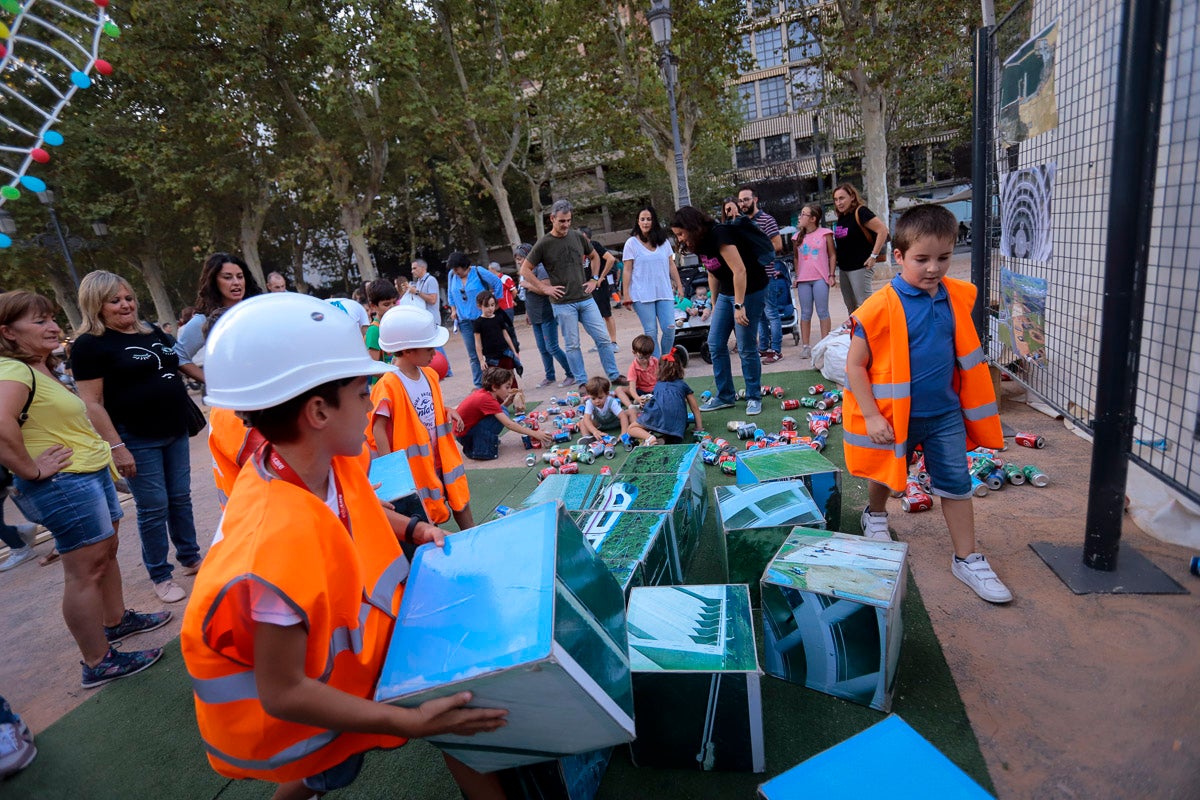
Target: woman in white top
point(649, 277)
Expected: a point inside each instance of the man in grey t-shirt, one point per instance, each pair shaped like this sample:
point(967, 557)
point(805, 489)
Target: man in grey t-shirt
point(561, 251)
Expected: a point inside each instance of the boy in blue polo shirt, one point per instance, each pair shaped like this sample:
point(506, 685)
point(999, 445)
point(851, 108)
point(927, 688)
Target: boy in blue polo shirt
point(917, 375)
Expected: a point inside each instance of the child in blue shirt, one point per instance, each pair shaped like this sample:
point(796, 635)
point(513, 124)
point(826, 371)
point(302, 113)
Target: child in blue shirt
point(665, 416)
point(601, 411)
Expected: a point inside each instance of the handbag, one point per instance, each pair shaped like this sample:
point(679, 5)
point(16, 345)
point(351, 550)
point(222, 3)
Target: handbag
point(196, 419)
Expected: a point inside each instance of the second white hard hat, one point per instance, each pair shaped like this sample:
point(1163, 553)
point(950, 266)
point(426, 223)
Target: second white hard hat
point(276, 346)
point(409, 327)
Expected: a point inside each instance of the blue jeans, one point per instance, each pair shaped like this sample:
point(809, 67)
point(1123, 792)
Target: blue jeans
point(662, 313)
point(770, 328)
point(466, 329)
point(586, 313)
point(482, 442)
point(545, 336)
point(944, 440)
point(78, 509)
point(721, 324)
point(162, 490)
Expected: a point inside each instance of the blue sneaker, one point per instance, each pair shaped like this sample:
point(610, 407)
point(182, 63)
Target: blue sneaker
point(713, 404)
point(118, 665)
point(753, 407)
point(132, 623)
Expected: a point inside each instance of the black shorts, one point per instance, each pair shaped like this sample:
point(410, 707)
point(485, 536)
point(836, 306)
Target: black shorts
point(601, 296)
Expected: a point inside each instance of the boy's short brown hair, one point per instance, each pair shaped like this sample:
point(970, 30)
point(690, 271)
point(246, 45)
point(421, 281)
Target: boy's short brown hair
point(643, 345)
point(924, 220)
point(597, 386)
point(495, 376)
point(380, 290)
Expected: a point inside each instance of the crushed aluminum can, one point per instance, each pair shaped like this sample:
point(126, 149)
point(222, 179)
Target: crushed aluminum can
point(546, 473)
point(820, 387)
point(1035, 476)
point(779, 392)
point(530, 460)
point(1030, 440)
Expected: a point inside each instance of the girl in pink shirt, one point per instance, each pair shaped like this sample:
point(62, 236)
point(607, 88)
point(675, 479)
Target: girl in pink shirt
point(816, 262)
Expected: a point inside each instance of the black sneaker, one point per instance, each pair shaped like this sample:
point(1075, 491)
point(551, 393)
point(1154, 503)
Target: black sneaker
point(118, 665)
point(132, 623)
point(620, 381)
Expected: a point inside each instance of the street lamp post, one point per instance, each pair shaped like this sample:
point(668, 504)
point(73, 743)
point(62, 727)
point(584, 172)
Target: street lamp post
point(57, 237)
point(47, 198)
point(660, 28)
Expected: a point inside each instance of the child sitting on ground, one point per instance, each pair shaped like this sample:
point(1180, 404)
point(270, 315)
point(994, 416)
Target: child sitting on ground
point(381, 295)
point(496, 335)
point(939, 391)
point(483, 416)
point(601, 411)
point(701, 306)
point(408, 413)
point(664, 419)
point(643, 372)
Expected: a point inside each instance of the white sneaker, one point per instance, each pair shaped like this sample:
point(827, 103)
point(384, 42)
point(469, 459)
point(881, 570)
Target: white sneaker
point(977, 573)
point(16, 558)
point(875, 526)
point(806, 352)
point(16, 748)
point(169, 591)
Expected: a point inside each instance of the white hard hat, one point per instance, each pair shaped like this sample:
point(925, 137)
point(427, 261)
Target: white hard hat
point(409, 327)
point(273, 347)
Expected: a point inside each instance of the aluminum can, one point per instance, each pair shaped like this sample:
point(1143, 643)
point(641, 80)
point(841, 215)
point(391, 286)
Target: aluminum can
point(567, 413)
point(981, 467)
point(546, 473)
point(706, 395)
point(978, 487)
point(610, 451)
point(746, 431)
point(1014, 475)
point(766, 390)
point(531, 423)
point(811, 402)
point(1030, 440)
point(779, 392)
point(626, 442)
point(788, 424)
point(789, 405)
point(699, 437)
point(1035, 476)
point(722, 442)
point(596, 449)
point(760, 434)
point(741, 394)
point(915, 498)
point(728, 466)
point(558, 462)
point(504, 511)
point(586, 457)
point(709, 457)
point(820, 387)
point(527, 441)
point(570, 468)
point(818, 442)
point(537, 444)
point(530, 460)
point(606, 470)
point(995, 479)
point(562, 436)
point(734, 424)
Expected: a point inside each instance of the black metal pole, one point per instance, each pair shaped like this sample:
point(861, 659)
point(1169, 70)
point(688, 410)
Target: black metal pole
point(681, 180)
point(1130, 209)
point(981, 195)
point(62, 245)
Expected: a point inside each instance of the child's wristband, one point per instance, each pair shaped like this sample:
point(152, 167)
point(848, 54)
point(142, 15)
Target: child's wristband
point(413, 522)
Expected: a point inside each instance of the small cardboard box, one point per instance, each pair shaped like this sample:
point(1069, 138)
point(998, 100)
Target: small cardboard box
point(524, 614)
point(753, 520)
point(695, 678)
point(635, 546)
point(796, 462)
point(831, 614)
point(679, 459)
point(397, 487)
point(576, 492)
point(888, 759)
point(665, 496)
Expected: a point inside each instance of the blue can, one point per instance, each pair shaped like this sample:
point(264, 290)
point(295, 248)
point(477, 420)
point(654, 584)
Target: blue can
point(527, 440)
point(503, 511)
point(562, 436)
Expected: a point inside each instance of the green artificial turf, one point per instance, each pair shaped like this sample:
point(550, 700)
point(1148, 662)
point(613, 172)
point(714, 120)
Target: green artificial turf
point(137, 738)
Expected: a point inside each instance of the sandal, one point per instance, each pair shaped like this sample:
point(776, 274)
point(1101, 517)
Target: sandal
point(49, 558)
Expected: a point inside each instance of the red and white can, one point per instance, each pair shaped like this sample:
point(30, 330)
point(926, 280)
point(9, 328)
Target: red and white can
point(1026, 439)
point(789, 405)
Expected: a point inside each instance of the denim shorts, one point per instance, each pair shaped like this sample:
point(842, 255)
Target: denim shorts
point(338, 777)
point(944, 440)
point(78, 509)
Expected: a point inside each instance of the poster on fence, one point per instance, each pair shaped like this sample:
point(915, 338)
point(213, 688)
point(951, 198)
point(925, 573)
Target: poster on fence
point(1028, 106)
point(1022, 323)
point(1025, 196)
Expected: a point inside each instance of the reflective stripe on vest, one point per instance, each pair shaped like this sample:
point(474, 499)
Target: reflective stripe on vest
point(445, 429)
point(898, 449)
point(981, 412)
point(972, 359)
point(299, 750)
point(417, 450)
point(890, 391)
point(385, 588)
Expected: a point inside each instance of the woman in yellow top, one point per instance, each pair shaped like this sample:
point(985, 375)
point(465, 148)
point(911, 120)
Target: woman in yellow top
point(62, 481)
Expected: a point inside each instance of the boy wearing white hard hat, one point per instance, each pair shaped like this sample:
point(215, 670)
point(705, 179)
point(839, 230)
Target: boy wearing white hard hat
point(408, 414)
point(293, 610)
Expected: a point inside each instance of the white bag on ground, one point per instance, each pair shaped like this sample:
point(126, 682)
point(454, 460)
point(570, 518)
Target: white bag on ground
point(829, 354)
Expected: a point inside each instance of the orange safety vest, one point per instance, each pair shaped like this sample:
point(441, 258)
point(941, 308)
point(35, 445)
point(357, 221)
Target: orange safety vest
point(882, 319)
point(346, 588)
point(409, 433)
point(230, 444)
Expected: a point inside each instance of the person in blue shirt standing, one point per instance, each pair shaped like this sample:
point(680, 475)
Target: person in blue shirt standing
point(464, 283)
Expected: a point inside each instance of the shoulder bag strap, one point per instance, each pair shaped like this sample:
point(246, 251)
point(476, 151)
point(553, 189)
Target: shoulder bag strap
point(24, 415)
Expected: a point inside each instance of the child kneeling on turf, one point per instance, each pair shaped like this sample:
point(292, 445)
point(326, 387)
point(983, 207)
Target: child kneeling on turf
point(601, 411)
point(916, 375)
point(408, 413)
point(664, 419)
point(483, 417)
point(643, 372)
point(292, 613)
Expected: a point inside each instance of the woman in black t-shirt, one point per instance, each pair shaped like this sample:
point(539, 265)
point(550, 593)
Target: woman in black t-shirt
point(127, 373)
point(735, 255)
point(857, 253)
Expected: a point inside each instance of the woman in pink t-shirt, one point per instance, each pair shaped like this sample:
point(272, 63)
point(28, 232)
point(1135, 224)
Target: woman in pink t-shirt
point(816, 262)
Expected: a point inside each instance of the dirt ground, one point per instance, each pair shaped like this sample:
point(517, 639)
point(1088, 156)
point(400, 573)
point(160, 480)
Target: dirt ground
point(1070, 696)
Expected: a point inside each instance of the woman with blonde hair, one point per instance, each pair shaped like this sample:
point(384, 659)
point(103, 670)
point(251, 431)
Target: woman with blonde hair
point(127, 373)
point(61, 480)
point(859, 237)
